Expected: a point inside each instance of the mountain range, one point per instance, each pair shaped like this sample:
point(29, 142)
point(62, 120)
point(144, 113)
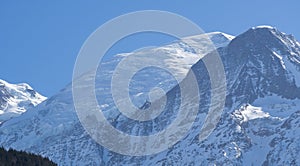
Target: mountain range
point(259, 124)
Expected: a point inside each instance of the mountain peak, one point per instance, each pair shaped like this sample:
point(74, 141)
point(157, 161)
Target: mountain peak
point(261, 36)
point(16, 99)
point(262, 32)
point(274, 58)
point(219, 39)
point(220, 34)
point(20, 86)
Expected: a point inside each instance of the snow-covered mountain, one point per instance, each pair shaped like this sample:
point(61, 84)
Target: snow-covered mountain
point(259, 125)
point(56, 117)
point(15, 99)
point(178, 57)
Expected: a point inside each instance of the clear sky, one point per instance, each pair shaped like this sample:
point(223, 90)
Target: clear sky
point(39, 40)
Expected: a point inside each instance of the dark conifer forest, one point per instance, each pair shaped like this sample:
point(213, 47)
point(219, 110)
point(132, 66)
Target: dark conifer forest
point(18, 158)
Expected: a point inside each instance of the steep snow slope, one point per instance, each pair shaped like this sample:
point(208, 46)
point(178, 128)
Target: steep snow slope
point(178, 57)
point(16, 99)
point(259, 121)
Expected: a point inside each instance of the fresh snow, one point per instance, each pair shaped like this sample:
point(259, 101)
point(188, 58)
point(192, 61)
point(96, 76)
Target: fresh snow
point(263, 27)
point(250, 112)
point(16, 99)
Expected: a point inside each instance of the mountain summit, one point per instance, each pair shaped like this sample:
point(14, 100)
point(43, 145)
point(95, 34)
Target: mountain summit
point(16, 99)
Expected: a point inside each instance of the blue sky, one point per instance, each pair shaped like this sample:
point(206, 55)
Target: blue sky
point(39, 40)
